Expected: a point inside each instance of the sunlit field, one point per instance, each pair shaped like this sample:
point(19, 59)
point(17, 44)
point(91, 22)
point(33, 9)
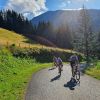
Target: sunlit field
point(8, 38)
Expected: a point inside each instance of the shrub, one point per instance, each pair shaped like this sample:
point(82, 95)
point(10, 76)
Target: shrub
point(41, 54)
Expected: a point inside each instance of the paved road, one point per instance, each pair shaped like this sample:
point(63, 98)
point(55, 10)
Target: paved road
point(47, 85)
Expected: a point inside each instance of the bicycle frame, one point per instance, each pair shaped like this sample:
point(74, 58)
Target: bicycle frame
point(76, 72)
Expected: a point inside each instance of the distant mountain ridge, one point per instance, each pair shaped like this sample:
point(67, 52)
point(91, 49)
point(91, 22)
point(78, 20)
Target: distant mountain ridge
point(70, 17)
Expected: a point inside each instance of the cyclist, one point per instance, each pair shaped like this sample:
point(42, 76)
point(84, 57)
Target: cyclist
point(74, 62)
point(55, 61)
point(59, 64)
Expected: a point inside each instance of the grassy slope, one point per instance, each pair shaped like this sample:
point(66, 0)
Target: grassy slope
point(94, 71)
point(13, 38)
point(15, 74)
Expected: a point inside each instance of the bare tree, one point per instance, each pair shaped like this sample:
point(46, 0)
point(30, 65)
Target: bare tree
point(84, 38)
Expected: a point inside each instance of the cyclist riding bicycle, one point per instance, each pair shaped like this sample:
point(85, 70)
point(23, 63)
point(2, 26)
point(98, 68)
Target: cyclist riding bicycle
point(55, 61)
point(74, 62)
point(59, 64)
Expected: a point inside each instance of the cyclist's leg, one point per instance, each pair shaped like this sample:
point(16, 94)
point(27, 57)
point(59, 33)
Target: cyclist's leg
point(53, 64)
point(73, 74)
point(60, 69)
point(61, 66)
point(72, 68)
point(78, 73)
point(56, 64)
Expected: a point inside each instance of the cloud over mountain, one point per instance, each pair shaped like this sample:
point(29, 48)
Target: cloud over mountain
point(27, 7)
point(66, 3)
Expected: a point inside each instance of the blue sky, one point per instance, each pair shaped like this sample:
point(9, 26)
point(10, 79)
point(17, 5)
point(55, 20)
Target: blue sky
point(72, 4)
point(32, 8)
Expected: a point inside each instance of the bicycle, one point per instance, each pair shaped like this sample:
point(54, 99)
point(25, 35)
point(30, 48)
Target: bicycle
point(60, 68)
point(76, 72)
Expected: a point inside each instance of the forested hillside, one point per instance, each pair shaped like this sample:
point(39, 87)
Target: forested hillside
point(44, 32)
point(65, 25)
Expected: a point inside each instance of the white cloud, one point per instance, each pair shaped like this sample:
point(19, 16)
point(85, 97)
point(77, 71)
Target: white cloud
point(69, 1)
point(73, 9)
point(27, 7)
point(66, 3)
point(63, 5)
point(79, 0)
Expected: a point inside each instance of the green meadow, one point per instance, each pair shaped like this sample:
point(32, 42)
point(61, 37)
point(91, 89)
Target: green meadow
point(15, 73)
point(94, 71)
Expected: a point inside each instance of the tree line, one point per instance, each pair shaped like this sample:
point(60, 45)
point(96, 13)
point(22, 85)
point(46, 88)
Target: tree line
point(14, 21)
point(61, 36)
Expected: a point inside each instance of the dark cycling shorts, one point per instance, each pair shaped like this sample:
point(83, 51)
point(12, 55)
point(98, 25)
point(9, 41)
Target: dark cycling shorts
point(60, 63)
point(72, 63)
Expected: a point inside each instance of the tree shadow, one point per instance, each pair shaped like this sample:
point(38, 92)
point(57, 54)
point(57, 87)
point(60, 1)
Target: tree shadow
point(72, 84)
point(55, 78)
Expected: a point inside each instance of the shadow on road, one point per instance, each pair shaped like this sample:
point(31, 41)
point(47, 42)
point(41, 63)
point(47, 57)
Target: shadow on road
point(71, 84)
point(52, 68)
point(55, 78)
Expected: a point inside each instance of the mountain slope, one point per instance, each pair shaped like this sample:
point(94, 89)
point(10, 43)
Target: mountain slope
point(71, 17)
point(10, 37)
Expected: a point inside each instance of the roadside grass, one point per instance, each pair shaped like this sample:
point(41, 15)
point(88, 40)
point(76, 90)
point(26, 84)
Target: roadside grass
point(15, 74)
point(94, 71)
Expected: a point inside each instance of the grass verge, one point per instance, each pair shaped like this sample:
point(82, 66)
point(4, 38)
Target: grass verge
point(94, 71)
point(15, 74)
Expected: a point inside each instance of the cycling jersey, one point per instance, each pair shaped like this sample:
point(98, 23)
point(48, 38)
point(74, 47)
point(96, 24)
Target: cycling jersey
point(59, 60)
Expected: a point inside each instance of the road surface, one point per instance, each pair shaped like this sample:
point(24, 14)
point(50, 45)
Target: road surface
point(47, 85)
